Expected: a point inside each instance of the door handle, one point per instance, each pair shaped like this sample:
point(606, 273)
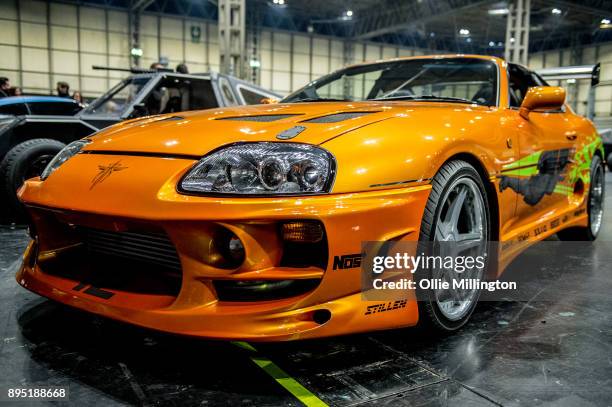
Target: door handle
point(571, 136)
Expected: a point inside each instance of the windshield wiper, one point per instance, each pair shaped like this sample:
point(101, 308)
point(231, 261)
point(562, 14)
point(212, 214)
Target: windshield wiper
point(428, 97)
point(318, 100)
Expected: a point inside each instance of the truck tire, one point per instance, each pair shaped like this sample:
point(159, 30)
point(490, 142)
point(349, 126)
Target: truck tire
point(24, 161)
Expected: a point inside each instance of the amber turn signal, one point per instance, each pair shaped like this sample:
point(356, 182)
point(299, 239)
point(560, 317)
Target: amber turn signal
point(302, 231)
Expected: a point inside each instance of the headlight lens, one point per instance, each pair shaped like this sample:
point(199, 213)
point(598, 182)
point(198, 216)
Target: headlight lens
point(63, 156)
point(264, 169)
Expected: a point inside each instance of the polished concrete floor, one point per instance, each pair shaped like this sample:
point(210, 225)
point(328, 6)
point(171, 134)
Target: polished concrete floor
point(550, 350)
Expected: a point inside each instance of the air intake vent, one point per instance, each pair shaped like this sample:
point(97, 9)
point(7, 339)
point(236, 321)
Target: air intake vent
point(260, 118)
point(153, 248)
point(337, 117)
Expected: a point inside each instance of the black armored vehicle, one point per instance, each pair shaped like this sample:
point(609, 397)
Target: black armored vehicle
point(28, 142)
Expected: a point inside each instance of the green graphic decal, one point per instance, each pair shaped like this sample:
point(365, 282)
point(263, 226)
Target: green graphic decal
point(544, 172)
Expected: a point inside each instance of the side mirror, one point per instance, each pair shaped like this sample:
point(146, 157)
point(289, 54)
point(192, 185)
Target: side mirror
point(268, 101)
point(542, 97)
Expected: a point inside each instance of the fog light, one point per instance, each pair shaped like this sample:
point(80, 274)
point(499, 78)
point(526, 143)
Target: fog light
point(302, 231)
point(235, 248)
point(230, 247)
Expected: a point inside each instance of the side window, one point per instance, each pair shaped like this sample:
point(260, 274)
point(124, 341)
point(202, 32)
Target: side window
point(520, 82)
point(16, 109)
point(54, 108)
point(175, 94)
point(250, 96)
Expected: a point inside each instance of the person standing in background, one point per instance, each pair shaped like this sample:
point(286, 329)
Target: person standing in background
point(16, 91)
point(63, 89)
point(5, 86)
point(77, 96)
point(182, 68)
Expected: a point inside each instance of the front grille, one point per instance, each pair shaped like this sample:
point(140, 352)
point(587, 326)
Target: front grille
point(153, 248)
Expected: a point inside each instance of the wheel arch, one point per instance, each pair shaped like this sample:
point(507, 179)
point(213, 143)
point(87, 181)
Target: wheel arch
point(489, 187)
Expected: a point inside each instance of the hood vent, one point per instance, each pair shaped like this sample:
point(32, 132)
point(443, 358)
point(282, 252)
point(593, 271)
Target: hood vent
point(336, 117)
point(260, 118)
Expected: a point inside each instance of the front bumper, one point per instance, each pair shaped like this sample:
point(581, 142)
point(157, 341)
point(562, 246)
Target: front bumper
point(196, 309)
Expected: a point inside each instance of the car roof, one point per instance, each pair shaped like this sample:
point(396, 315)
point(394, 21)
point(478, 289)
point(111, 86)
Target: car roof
point(34, 99)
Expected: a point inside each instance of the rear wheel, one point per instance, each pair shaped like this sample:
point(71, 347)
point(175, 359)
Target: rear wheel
point(24, 161)
point(456, 222)
point(595, 207)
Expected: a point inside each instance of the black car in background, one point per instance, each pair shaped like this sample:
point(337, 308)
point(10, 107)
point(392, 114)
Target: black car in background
point(30, 139)
point(39, 105)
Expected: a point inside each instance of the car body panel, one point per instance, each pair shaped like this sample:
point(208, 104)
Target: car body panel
point(126, 180)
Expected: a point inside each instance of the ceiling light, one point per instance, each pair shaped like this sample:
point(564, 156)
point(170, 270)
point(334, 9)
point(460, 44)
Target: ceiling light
point(556, 11)
point(281, 2)
point(349, 13)
point(464, 31)
point(605, 21)
point(468, 39)
point(498, 11)
point(512, 39)
point(491, 43)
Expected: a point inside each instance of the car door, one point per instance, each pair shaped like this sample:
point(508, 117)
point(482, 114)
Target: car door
point(546, 145)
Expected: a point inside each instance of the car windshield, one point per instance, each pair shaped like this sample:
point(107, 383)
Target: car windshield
point(461, 80)
point(118, 99)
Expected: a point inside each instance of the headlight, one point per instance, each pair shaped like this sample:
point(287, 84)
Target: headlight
point(262, 169)
point(63, 156)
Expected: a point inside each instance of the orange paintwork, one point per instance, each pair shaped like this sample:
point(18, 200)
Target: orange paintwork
point(384, 163)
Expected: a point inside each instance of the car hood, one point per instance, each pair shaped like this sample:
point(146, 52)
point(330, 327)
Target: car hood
point(197, 133)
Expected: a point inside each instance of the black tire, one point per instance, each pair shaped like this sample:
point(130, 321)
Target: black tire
point(587, 234)
point(609, 161)
point(430, 315)
point(25, 160)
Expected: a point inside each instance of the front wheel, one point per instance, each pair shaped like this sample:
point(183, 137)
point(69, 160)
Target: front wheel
point(25, 160)
point(456, 222)
point(595, 207)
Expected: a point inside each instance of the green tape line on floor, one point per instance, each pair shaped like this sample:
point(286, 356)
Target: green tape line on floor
point(289, 383)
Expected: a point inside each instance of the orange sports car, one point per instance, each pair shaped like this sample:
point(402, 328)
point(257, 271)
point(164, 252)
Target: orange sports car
point(248, 222)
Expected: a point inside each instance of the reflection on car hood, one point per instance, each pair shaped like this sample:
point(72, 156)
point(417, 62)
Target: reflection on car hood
point(197, 133)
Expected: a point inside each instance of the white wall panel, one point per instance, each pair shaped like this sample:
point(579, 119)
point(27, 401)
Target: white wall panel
point(36, 82)
point(299, 80)
point(33, 35)
point(118, 44)
point(37, 58)
point(35, 11)
point(10, 57)
point(63, 14)
point(148, 25)
point(320, 65)
point(93, 18)
point(320, 46)
point(118, 21)
point(65, 62)
point(87, 60)
point(93, 41)
point(172, 28)
point(8, 10)
point(389, 52)
point(282, 41)
point(149, 47)
point(337, 47)
point(372, 52)
point(9, 32)
point(301, 63)
point(301, 44)
point(171, 48)
point(64, 38)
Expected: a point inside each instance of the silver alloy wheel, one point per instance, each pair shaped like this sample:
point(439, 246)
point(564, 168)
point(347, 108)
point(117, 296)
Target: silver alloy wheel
point(461, 229)
point(596, 200)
